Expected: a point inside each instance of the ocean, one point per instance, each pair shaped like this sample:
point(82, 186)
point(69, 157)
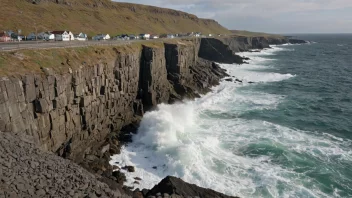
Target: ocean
point(288, 134)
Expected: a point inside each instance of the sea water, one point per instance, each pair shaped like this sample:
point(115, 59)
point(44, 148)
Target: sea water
point(285, 131)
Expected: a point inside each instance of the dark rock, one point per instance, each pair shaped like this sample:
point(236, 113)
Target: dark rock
point(229, 79)
point(137, 178)
point(237, 80)
point(173, 185)
point(121, 177)
point(145, 192)
point(297, 41)
point(137, 195)
point(129, 168)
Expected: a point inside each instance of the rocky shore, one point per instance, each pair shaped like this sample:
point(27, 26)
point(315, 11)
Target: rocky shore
point(87, 112)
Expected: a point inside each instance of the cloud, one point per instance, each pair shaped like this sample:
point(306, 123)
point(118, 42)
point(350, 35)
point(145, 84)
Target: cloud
point(279, 15)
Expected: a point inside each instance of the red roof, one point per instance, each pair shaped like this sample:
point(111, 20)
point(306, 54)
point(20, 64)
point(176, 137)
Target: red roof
point(3, 35)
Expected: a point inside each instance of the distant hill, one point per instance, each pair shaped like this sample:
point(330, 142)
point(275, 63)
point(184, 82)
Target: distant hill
point(99, 16)
point(254, 34)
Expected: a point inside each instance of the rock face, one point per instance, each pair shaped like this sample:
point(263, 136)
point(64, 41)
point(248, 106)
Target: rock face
point(84, 114)
point(175, 187)
point(72, 113)
point(223, 49)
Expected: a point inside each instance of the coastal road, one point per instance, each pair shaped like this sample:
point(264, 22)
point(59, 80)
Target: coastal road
point(11, 46)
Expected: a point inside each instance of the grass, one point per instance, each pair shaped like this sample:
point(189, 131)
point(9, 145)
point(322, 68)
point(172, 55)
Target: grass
point(100, 16)
point(254, 34)
point(61, 60)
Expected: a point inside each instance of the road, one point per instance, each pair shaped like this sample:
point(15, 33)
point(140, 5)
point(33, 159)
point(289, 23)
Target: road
point(11, 46)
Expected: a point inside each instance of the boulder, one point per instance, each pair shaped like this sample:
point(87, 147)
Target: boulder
point(172, 185)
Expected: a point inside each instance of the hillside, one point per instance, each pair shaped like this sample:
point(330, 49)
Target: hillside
point(99, 16)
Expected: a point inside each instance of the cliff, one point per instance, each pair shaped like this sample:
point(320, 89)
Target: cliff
point(99, 16)
point(82, 103)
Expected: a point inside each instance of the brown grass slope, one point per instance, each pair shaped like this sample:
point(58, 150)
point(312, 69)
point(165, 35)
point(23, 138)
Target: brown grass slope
point(99, 16)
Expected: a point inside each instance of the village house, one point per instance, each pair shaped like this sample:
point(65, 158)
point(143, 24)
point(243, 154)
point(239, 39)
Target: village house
point(99, 37)
point(170, 36)
point(154, 36)
point(4, 37)
point(32, 36)
point(81, 37)
point(144, 36)
point(46, 36)
point(63, 36)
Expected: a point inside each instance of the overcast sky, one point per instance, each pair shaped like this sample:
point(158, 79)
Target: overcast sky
point(275, 16)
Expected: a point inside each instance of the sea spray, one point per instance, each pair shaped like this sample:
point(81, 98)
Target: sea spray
point(219, 141)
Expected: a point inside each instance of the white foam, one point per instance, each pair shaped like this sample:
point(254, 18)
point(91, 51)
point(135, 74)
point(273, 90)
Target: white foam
point(206, 142)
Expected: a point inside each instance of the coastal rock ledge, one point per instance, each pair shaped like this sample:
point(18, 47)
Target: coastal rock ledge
point(61, 121)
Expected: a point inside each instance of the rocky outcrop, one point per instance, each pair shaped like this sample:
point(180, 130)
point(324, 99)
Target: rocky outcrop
point(224, 49)
point(26, 171)
point(177, 188)
point(296, 41)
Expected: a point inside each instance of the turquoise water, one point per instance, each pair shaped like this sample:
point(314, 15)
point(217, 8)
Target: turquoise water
point(286, 135)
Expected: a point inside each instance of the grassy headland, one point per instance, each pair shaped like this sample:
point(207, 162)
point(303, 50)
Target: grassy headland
point(99, 16)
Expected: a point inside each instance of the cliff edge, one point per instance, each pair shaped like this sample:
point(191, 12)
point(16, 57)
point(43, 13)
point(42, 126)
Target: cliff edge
point(83, 103)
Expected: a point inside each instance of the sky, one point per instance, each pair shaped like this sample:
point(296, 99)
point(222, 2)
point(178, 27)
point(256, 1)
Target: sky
point(272, 16)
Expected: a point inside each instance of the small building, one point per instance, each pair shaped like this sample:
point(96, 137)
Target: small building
point(81, 37)
point(144, 36)
point(4, 37)
point(154, 36)
point(132, 37)
point(197, 34)
point(63, 36)
point(46, 36)
point(32, 36)
point(170, 36)
point(99, 37)
point(17, 37)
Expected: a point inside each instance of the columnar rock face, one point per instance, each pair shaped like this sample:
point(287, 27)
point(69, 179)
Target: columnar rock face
point(79, 114)
point(154, 87)
point(71, 113)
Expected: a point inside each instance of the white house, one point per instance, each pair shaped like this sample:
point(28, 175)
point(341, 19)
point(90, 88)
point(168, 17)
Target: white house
point(144, 36)
point(46, 36)
point(170, 36)
point(81, 37)
point(63, 36)
point(101, 37)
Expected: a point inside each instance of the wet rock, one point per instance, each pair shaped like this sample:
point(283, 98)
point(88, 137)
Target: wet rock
point(129, 168)
point(173, 185)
